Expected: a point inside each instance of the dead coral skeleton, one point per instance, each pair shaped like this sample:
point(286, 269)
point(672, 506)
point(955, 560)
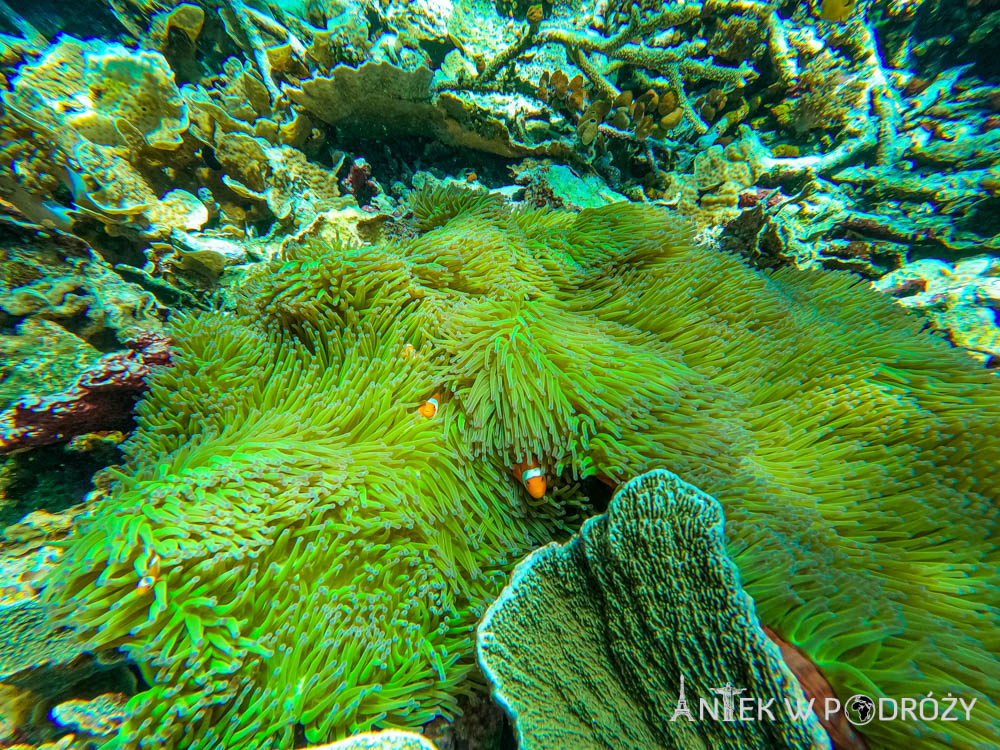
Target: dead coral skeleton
point(664, 57)
point(598, 56)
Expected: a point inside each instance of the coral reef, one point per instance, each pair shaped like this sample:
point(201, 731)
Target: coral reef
point(669, 88)
point(961, 300)
point(385, 390)
point(650, 98)
point(284, 475)
point(641, 598)
point(106, 145)
point(100, 399)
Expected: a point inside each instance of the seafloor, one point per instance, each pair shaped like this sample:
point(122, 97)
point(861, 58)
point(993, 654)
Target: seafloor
point(482, 374)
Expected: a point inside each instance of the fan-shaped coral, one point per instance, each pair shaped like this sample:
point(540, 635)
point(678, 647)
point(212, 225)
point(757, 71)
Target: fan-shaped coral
point(588, 645)
point(293, 542)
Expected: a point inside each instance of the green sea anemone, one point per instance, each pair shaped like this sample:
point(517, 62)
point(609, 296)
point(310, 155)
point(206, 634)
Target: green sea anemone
point(291, 543)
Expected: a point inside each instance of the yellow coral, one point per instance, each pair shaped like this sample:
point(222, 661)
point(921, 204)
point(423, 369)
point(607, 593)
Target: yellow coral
point(89, 86)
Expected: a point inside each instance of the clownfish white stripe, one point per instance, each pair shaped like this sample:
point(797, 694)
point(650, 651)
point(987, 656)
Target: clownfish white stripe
point(429, 408)
point(531, 474)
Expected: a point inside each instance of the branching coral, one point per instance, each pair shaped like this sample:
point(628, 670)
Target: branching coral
point(293, 541)
point(630, 46)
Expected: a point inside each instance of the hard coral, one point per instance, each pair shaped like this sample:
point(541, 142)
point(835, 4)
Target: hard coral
point(104, 92)
point(642, 598)
point(960, 300)
point(291, 540)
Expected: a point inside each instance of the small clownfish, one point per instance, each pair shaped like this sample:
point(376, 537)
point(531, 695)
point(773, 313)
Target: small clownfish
point(152, 573)
point(532, 477)
point(409, 351)
point(430, 407)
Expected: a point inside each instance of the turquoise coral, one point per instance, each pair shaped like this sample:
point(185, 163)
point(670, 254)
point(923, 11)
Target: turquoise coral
point(588, 645)
point(291, 542)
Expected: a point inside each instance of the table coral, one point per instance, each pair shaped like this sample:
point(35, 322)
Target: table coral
point(641, 598)
point(104, 138)
point(292, 542)
point(114, 117)
point(97, 89)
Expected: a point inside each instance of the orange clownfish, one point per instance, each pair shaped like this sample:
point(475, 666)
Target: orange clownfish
point(152, 573)
point(430, 407)
point(532, 477)
point(409, 351)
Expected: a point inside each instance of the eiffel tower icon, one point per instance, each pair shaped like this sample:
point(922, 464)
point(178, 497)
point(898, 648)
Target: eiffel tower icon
point(682, 707)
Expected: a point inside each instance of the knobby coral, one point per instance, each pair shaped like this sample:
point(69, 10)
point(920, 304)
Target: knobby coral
point(587, 646)
point(293, 541)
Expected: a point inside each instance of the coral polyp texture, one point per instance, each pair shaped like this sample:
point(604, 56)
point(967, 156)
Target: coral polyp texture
point(641, 598)
point(296, 540)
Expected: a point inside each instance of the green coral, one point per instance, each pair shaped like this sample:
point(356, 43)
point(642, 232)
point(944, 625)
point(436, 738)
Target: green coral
point(587, 645)
point(322, 553)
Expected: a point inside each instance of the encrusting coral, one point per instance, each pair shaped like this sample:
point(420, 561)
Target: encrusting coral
point(958, 299)
point(643, 596)
point(293, 541)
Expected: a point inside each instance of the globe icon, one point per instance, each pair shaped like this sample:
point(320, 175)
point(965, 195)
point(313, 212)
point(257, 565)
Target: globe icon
point(859, 709)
